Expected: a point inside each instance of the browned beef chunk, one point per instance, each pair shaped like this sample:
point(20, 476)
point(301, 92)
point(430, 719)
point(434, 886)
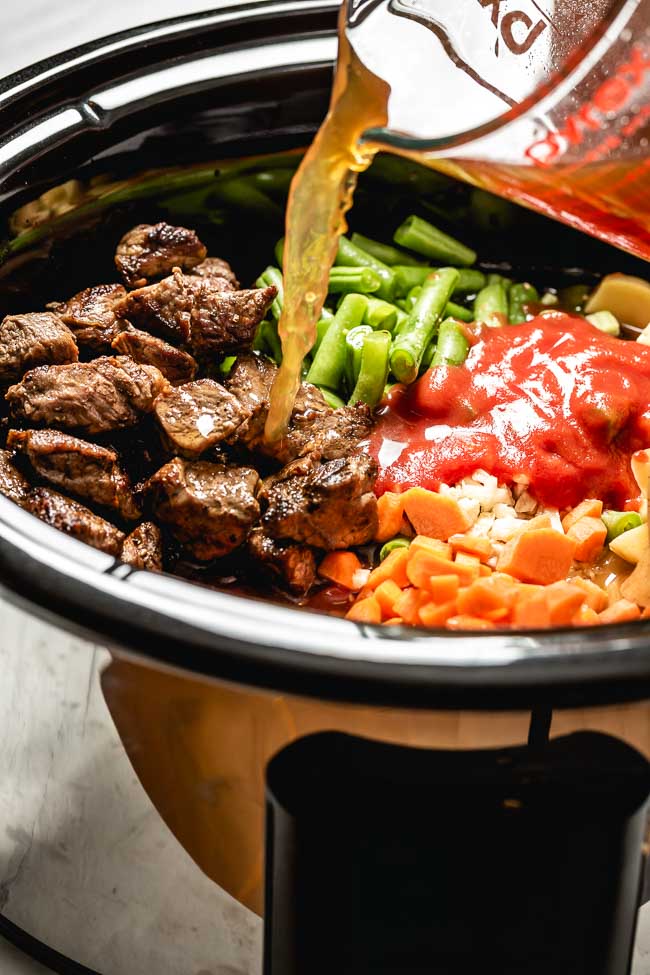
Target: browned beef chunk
point(329, 505)
point(217, 268)
point(105, 394)
point(74, 465)
point(330, 435)
point(12, 483)
point(143, 548)
point(76, 520)
point(292, 564)
point(153, 250)
point(189, 310)
point(197, 416)
point(176, 366)
point(35, 339)
point(91, 316)
point(209, 508)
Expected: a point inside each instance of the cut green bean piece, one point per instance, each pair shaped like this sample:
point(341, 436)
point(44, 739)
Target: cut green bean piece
point(470, 281)
point(458, 311)
point(241, 193)
point(267, 340)
point(331, 398)
point(500, 279)
point(374, 369)
point(279, 251)
point(384, 252)
point(409, 277)
point(357, 280)
point(353, 345)
point(412, 297)
point(381, 314)
point(398, 542)
point(429, 353)
point(605, 322)
point(520, 296)
point(452, 345)
point(226, 364)
point(491, 305)
point(349, 255)
point(321, 328)
point(409, 346)
point(328, 366)
point(617, 522)
point(422, 237)
point(272, 277)
point(574, 297)
point(275, 181)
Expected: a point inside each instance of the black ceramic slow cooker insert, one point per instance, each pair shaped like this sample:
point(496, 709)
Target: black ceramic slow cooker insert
point(396, 764)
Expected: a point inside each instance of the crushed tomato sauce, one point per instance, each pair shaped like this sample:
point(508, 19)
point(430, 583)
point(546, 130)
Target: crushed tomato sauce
point(554, 399)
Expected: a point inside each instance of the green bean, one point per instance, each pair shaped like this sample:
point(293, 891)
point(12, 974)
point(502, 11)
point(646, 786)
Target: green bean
point(279, 251)
point(353, 345)
point(272, 277)
point(384, 252)
point(241, 193)
point(381, 314)
point(349, 255)
point(412, 297)
point(470, 281)
point(422, 237)
point(617, 522)
point(321, 329)
point(429, 353)
point(328, 366)
point(409, 346)
point(409, 277)
point(226, 364)
point(500, 279)
point(374, 369)
point(575, 297)
point(274, 180)
point(458, 311)
point(491, 305)
point(452, 345)
point(520, 296)
point(399, 542)
point(357, 280)
point(331, 398)
point(267, 340)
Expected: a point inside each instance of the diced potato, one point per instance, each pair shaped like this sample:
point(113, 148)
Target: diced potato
point(644, 337)
point(636, 587)
point(625, 296)
point(640, 463)
point(631, 544)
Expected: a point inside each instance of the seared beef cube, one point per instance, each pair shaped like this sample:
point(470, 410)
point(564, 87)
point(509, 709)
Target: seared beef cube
point(293, 565)
point(105, 394)
point(143, 548)
point(329, 505)
point(223, 322)
point(76, 520)
point(12, 483)
point(333, 434)
point(35, 339)
point(197, 416)
point(210, 509)
point(189, 310)
point(217, 269)
point(91, 316)
point(250, 380)
point(74, 465)
point(175, 365)
point(153, 250)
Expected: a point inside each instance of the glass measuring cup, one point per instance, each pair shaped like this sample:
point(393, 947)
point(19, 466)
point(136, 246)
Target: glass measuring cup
point(543, 101)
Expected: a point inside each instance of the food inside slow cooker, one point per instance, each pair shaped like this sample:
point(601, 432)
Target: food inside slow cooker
point(464, 452)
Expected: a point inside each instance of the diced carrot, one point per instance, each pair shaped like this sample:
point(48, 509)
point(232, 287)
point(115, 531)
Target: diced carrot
point(564, 600)
point(409, 603)
point(365, 610)
point(443, 588)
point(532, 612)
point(646, 613)
point(463, 622)
point(435, 515)
point(595, 597)
point(589, 534)
point(586, 616)
point(436, 614)
point(619, 612)
point(474, 544)
point(387, 594)
point(390, 510)
point(485, 570)
point(543, 556)
point(590, 508)
point(481, 598)
point(340, 567)
point(394, 621)
point(393, 567)
point(431, 545)
point(539, 521)
point(424, 563)
point(470, 562)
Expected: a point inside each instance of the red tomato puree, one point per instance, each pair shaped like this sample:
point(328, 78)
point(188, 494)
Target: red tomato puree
point(554, 399)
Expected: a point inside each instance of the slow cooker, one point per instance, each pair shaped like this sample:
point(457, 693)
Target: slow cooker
point(349, 782)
